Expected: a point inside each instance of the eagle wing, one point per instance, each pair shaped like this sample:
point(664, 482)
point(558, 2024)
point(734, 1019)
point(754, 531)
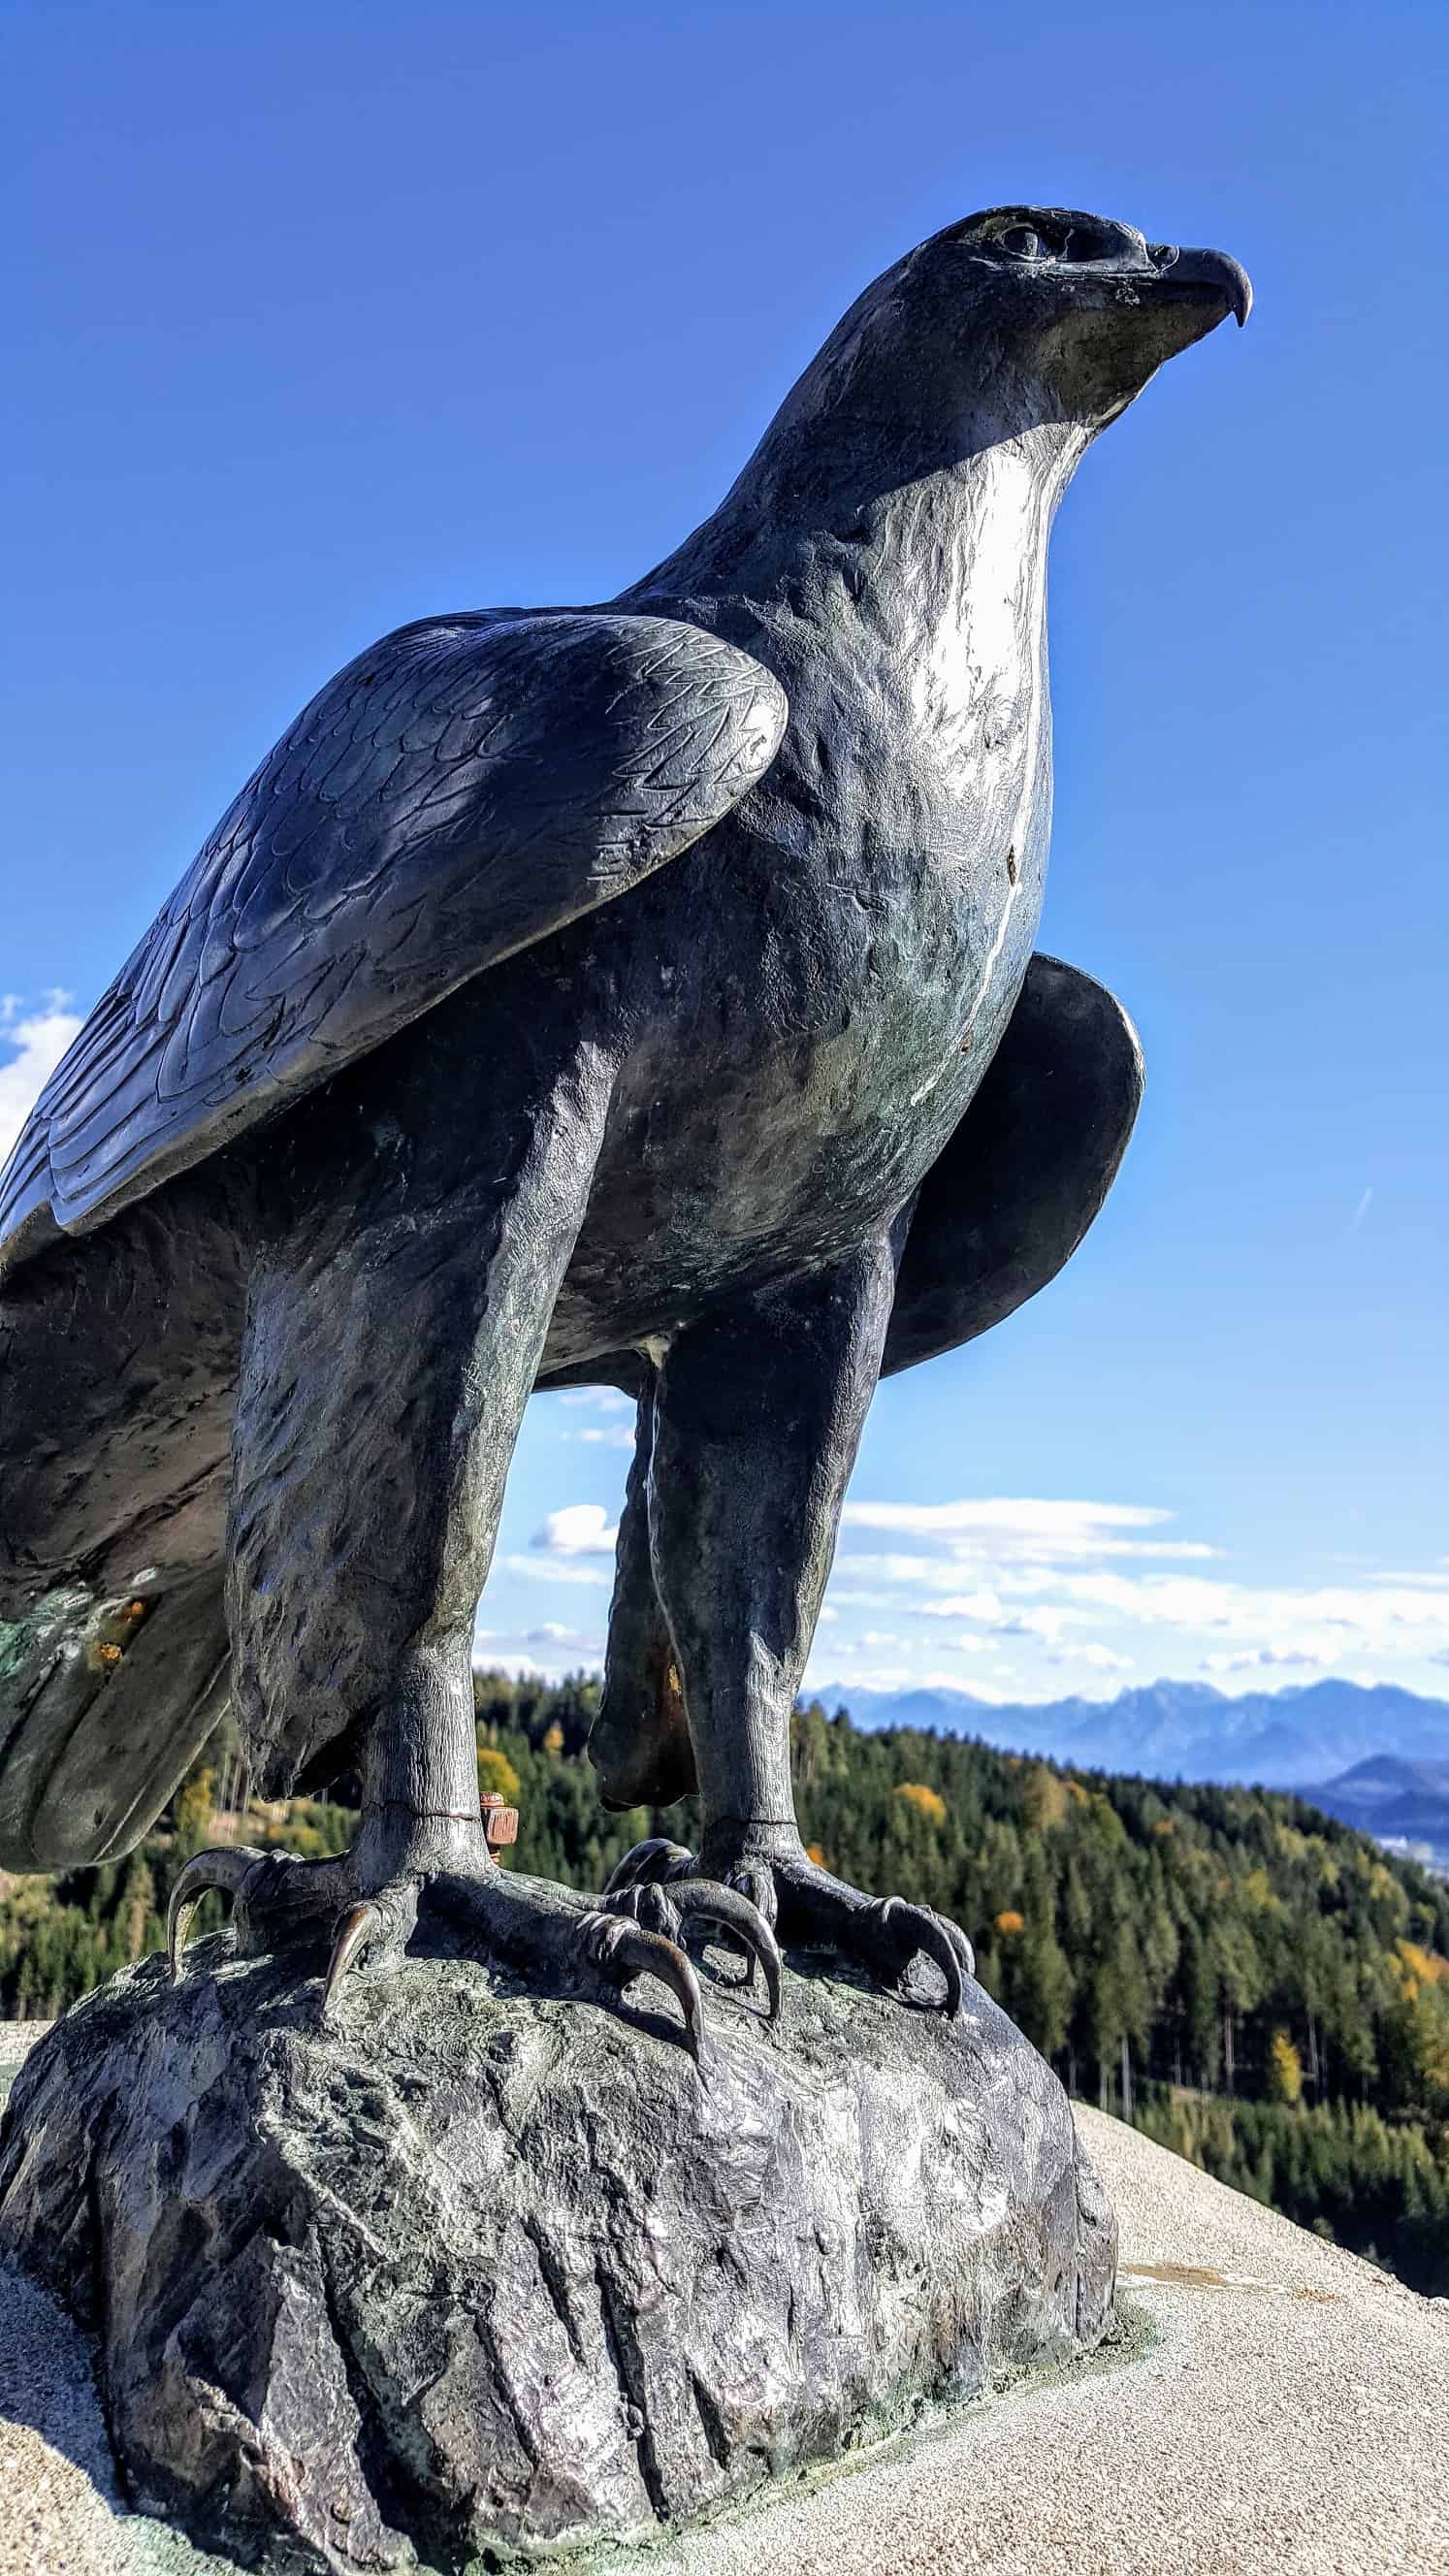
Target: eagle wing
point(457, 793)
point(1007, 1202)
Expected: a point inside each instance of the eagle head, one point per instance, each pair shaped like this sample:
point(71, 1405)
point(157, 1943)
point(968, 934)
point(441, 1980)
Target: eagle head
point(1013, 320)
point(1080, 310)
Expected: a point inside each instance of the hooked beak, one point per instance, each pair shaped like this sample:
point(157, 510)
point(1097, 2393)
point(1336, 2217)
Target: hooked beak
point(1211, 268)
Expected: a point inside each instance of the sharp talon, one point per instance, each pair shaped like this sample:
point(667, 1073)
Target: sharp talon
point(656, 1859)
point(930, 1934)
point(966, 1956)
point(223, 1870)
point(359, 1925)
point(623, 1949)
point(744, 1921)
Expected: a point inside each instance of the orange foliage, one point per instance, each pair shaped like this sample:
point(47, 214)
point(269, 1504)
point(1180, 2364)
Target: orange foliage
point(929, 1802)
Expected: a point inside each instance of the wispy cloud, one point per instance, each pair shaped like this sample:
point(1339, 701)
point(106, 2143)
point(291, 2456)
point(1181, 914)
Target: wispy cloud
point(1026, 1598)
point(1361, 1211)
point(617, 1431)
point(1089, 1590)
point(543, 1568)
point(1018, 1525)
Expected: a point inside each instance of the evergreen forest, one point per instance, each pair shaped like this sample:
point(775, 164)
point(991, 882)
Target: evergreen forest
point(1254, 1985)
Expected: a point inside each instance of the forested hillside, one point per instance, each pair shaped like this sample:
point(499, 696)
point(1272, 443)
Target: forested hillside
point(1253, 1983)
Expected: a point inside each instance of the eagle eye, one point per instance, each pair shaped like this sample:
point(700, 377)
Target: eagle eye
point(1022, 242)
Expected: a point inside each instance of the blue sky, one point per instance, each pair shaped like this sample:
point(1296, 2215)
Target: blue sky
point(325, 317)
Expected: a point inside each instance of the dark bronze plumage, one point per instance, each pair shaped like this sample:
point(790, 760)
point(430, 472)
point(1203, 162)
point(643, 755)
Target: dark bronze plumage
point(639, 994)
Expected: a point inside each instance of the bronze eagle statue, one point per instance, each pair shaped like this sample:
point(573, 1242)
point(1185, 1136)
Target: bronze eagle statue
point(637, 994)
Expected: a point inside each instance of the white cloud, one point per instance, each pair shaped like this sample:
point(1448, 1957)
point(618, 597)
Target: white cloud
point(1045, 1619)
point(494, 1659)
point(982, 1604)
point(594, 1438)
point(596, 1399)
point(37, 1039)
point(553, 1569)
point(1084, 1588)
point(1021, 1526)
point(1261, 1659)
point(1036, 1599)
point(941, 1571)
point(580, 1529)
point(1324, 1620)
point(1100, 1659)
point(544, 1653)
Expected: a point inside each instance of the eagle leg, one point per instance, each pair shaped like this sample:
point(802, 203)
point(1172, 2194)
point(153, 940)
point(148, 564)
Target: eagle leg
point(390, 1351)
point(756, 1414)
point(639, 1742)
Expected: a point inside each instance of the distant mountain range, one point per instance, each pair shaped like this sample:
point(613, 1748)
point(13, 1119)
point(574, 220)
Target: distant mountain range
point(1291, 1739)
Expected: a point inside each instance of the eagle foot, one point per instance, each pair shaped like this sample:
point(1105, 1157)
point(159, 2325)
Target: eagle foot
point(809, 1906)
point(526, 1924)
point(702, 1907)
point(275, 1896)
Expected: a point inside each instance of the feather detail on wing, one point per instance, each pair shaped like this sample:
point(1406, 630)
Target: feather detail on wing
point(460, 791)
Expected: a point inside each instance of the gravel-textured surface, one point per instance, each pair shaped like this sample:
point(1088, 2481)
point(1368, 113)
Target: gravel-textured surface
point(60, 2509)
point(1280, 2410)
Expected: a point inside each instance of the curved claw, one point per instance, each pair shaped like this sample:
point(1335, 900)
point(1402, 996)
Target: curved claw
point(359, 1925)
point(926, 1931)
point(223, 1869)
point(744, 1921)
point(623, 1949)
point(658, 1858)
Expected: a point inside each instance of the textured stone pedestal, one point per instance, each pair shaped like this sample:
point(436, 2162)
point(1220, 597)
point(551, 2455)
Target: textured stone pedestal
point(472, 2272)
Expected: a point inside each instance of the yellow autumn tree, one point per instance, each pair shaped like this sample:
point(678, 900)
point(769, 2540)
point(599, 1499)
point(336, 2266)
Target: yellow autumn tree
point(1418, 1967)
point(496, 1775)
point(1285, 2068)
point(927, 1802)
